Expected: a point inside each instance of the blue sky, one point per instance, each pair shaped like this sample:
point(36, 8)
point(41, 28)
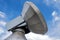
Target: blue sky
point(10, 9)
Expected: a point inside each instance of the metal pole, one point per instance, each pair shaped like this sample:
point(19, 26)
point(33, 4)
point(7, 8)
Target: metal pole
point(19, 34)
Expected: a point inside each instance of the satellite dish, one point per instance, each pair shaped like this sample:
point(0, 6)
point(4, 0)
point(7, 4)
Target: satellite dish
point(34, 18)
point(31, 20)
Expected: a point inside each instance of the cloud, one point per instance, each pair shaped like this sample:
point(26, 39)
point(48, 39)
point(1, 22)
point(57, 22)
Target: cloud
point(55, 25)
point(2, 15)
point(56, 16)
point(1, 30)
point(55, 22)
point(6, 35)
point(53, 3)
point(33, 36)
point(2, 23)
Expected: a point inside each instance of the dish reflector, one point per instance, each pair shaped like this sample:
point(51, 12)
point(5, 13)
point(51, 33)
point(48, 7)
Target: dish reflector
point(34, 18)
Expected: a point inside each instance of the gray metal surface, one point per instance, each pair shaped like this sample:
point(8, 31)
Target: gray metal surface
point(34, 18)
point(18, 35)
point(14, 22)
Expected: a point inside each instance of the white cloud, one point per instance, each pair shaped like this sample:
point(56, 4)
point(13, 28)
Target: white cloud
point(55, 0)
point(55, 16)
point(7, 34)
point(1, 30)
point(53, 3)
point(54, 13)
point(33, 36)
point(3, 33)
point(2, 15)
point(2, 23)
point(55, 25)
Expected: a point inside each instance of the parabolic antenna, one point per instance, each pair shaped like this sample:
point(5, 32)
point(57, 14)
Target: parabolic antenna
point(34, 18)
point(31, 20)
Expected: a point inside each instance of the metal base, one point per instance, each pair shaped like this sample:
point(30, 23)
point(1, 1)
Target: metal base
point(19, 34)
